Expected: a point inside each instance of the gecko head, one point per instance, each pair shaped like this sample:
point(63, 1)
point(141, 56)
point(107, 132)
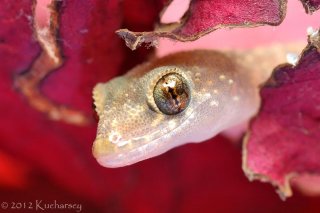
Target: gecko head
point(144, 114)
point(180, 98)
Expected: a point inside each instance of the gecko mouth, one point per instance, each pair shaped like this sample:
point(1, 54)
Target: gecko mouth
point(107, 155)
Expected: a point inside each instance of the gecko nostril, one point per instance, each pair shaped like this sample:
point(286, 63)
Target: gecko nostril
point(171, 94)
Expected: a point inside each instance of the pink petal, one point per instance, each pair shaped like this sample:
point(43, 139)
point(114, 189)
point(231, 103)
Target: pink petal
point(284, 138)
point(311, 5)
point(91, 52)
point(204, 17)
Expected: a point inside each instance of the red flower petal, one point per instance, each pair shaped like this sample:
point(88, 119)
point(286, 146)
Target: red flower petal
point(284, 138)
point(92, 52)
point(311, 5)
point(18, 47)
point(206, 16)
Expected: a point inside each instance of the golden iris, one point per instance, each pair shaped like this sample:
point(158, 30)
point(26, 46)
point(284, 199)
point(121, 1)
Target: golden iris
point(171, 94)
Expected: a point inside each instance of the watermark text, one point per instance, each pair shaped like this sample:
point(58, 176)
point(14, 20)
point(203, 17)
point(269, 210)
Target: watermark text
point(41, 205)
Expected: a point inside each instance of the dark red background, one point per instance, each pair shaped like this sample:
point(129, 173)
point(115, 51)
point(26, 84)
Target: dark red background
point(41, 159)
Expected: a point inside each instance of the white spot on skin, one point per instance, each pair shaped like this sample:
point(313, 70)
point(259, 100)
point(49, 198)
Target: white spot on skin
point(208, 95)
point(235, 98)
point(122, 143)
point(192, 116)
point(114, 137)
point(292, 58)
point(172, 124)
point(230, 81)
point(188, 113)
point(114, 123)
point(215, 91)
point(222, 77)
point(214, 103)
point(312, 32)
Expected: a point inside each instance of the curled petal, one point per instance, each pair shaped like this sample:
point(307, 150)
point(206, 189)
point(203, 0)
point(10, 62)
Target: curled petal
point(204, 17)
point(311, 5)
point(284, 138)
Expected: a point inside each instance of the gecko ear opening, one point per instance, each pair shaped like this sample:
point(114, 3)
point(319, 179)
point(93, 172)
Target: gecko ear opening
point(171, 94)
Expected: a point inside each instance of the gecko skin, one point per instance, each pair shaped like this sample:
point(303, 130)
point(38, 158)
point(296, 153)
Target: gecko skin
point(132, 128)
point(217, 91)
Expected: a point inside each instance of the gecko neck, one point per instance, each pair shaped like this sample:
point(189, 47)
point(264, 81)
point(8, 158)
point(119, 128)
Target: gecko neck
point(261, 61)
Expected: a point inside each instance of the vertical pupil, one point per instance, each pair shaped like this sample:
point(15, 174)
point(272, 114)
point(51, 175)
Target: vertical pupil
point(171, 94)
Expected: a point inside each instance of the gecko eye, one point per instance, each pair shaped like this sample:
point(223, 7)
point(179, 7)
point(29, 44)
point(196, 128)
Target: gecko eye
point(171, 94)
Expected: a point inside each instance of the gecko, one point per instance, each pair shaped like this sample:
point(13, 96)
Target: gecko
point(177, 99)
